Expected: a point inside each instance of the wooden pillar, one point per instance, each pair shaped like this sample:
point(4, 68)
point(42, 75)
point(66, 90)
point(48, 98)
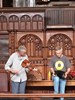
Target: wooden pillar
point(12, 41)
point(45, 54)
point(1, 3)
point(74, 47)
point(16, 44)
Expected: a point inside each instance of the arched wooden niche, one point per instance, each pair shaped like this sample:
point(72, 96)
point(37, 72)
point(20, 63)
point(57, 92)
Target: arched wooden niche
point(61, 40)
point(13, 22)
point(25, 22)
point(33, 44)
point(37, 22)
point(3, 23)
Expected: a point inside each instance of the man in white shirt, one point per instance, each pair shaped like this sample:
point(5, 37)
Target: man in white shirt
point(18, 73)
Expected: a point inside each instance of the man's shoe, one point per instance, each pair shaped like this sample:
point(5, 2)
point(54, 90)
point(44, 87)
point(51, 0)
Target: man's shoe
point(56, 98)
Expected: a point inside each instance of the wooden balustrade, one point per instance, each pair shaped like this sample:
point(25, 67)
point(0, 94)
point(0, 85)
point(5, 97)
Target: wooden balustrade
point(39, 95)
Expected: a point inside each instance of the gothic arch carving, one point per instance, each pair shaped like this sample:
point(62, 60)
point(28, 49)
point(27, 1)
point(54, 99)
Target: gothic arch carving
point(25, 18)
point(3, 18)
point(25, 22)
point(3, 22)
point(13, 22)
point(62, 40)
point(33, 44)
point(37, 22)
point(13, 18)
point(37, 18)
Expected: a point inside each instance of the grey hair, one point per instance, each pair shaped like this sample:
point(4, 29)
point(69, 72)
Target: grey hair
point(22, 48)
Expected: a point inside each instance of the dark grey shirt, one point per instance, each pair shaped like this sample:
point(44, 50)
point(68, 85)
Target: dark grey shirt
point(60, 64)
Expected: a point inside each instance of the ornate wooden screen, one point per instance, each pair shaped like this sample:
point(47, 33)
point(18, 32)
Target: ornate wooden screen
point(30, 28)
point(34, 38)
point(62, 40)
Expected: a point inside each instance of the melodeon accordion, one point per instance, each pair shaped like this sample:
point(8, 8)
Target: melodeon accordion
point(60, 74)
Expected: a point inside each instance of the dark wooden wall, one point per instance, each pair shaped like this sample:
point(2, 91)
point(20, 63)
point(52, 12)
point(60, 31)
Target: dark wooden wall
point(29, 27)
point(60, 16)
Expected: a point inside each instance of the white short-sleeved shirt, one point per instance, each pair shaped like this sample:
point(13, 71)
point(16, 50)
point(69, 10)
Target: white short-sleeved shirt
point(14, 62)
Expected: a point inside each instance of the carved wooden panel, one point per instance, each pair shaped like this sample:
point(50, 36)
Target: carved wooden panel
point(37, 22)
point(4, 48)
point(60, 16)
point(12, 42)
point(4, 84)
point(61, 40)
point(22, 21)
point(3, 23)
point(33, 45)
point(25, 22)
point(13, 22)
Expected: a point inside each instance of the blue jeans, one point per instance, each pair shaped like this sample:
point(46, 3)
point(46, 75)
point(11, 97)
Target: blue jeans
point(18, 87)
point(59, 85)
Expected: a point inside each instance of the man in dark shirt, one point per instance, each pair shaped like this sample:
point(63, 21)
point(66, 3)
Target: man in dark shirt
point(60, 67)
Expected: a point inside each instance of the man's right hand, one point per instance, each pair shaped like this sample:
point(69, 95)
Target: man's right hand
point(14, 71)
point(53, 74)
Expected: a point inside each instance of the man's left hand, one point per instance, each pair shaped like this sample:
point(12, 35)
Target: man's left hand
point(35, 69)
point(65, 76)
point(28, 64)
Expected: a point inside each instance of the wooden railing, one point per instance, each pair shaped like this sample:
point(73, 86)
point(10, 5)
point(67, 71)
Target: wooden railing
point(42, 95)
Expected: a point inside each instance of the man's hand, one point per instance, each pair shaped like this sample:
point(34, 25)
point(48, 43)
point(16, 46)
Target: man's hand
point(65, 76)
point(53, 74)
point(28, 64)
point(66, 73)
point(14, 71)
point(35, 69)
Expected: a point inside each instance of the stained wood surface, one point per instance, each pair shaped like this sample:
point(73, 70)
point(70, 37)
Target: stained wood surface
point(48, 83)
point(3, 95)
